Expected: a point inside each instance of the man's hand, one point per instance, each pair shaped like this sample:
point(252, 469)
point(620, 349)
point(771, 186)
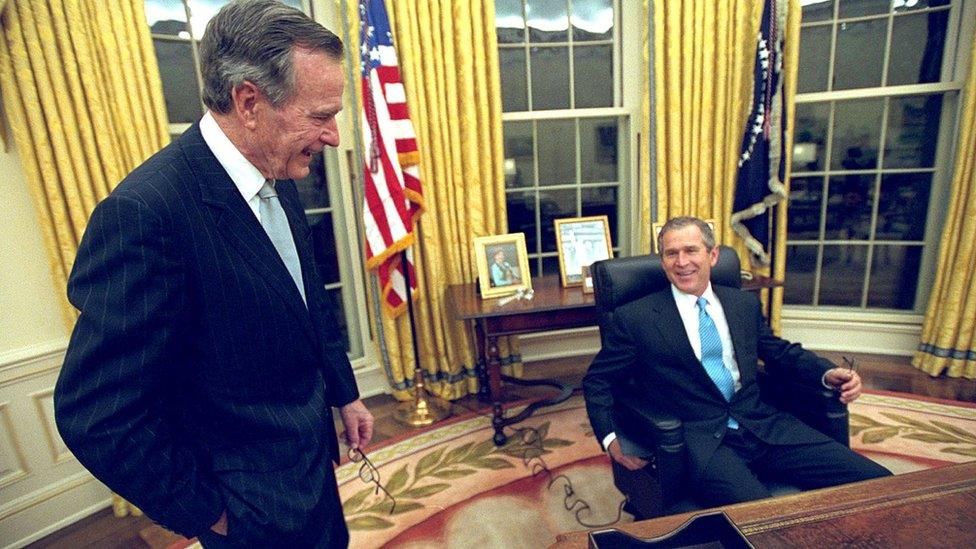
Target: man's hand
point(630, 462)
point(220, 527)
point(358, 424)
point(846, 381)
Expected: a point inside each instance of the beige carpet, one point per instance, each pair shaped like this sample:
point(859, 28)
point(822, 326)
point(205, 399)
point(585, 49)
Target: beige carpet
point(454, 488)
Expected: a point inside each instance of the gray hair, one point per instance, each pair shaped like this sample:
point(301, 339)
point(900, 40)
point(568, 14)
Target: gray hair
point(677, 223)
point(252, 40)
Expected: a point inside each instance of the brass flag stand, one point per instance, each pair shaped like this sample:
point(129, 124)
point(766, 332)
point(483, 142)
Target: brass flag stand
point(424, 409)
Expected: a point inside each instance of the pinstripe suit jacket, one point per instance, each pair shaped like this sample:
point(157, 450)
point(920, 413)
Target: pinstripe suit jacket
point(196, 379)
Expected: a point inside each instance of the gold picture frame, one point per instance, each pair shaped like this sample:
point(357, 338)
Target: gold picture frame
point(581, 241)
point(656, 230)
point(503, 264)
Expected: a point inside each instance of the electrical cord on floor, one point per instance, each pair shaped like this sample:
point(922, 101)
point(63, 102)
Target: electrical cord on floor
point(532, 459)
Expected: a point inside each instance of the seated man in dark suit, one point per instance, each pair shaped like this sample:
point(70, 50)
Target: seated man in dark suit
point(694, 349)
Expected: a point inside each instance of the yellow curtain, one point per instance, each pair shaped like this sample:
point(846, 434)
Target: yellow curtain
point(704, 57)
point(449, 65)
point(82, 93)
point(949, 332)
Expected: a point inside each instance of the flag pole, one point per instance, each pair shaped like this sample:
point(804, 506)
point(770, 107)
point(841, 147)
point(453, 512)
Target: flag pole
point(424, 409)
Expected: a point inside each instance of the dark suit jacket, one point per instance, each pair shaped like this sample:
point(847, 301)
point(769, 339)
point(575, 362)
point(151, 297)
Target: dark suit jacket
point(647, 364)
point(196, 379)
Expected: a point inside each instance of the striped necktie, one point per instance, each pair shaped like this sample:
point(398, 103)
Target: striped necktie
point(711, 356)
point(275, 223)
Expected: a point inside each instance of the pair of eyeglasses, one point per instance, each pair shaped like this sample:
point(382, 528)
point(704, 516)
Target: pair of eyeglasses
point(368, 473)
point(850, 363)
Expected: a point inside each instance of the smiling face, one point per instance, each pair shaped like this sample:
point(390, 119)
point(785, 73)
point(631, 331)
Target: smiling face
point(285, 138)
point(686, 260)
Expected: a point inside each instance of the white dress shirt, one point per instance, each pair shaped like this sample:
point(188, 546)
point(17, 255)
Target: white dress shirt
point(245, 176)
point(688, 309)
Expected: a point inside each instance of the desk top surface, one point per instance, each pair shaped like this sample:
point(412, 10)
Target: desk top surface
point(900, 511)
point(549, 295)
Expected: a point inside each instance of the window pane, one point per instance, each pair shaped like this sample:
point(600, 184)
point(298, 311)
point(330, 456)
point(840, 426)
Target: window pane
point(817, 10)
point(554, 204)
point(509, 22)
point(801, 268)
point(521, 217)
point(340, 315)
point(519, 169)
point(557, 152)
point(598, 150)
point(814, 58)
point(515, 91)
point(903, 206)
point(550, 78)
point(593, 76)
point(323, 240)
point(894, 277)
point(850, 200)
point(809, 147)
point(180, 89)
point(201, 12)
point(806, 195)
point(842, 275)
point(858, 8)
point(857, 131)
point(859, 56)
point(167, 17)
point(313, 190)
point(917, 43)
point(913, 131)
point(602, 201)
point(550, 265)
point(592, 20)
point(547, 20)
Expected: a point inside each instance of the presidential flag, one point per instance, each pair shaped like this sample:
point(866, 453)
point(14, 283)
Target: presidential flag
point(759, 184)
point(392, 198)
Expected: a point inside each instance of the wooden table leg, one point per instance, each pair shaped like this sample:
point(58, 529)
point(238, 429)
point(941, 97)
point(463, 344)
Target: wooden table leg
point(495, 385)
point(481, 366)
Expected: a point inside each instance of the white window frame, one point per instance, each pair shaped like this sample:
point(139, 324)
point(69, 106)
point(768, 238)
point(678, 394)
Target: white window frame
point(890, 331)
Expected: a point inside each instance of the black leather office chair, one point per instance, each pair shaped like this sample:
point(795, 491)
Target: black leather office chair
point(620, 281)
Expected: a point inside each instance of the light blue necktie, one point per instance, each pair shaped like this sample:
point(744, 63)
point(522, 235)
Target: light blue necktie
point(275, 223)
point(711, 356)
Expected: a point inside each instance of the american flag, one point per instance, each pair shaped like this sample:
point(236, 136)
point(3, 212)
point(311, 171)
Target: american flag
point(393, 198)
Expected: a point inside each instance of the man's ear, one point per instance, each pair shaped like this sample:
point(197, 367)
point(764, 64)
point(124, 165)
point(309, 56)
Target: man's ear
point(247, 100)
point(714, 254)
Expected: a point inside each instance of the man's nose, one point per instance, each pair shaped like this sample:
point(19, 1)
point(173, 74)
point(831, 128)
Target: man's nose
point(330, 135)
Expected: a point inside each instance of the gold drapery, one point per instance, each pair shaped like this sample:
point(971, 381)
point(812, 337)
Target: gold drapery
point(449, 64)
point(704, 57)
point(82, 93)
point(949, 332)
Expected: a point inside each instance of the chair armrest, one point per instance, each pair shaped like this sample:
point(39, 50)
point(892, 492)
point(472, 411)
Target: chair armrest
point(664, 435)
point(815, 405)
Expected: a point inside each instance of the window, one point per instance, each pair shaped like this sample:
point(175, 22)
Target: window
point(176, 27)
point(872, 152)
point(567, 133)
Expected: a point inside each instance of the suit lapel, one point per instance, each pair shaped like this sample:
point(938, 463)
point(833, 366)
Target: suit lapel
point(237, 224)
point(672, 329)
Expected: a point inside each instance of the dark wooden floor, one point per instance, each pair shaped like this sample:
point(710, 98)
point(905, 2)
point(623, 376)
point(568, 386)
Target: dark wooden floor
point(103, 530)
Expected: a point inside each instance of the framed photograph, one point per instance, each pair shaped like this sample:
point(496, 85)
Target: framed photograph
point(503, 264)
point(581, 241)
point(656, 228)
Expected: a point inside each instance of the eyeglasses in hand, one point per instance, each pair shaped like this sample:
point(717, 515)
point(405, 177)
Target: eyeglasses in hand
point(368, 473)
point(850, 363)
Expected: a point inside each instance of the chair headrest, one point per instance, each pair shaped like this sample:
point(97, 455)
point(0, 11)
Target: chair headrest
point(622, 280)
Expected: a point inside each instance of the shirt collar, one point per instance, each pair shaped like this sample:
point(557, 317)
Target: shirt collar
point(690, 300)
point(245, 176)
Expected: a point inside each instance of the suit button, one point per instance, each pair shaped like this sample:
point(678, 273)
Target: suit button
point(718, 434)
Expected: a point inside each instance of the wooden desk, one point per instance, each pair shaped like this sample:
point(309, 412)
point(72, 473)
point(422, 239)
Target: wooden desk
point(551, 308)
point(931, 508)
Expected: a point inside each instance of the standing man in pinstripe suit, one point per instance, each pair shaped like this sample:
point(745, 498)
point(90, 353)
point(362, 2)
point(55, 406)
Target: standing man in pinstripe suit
point(201, 374)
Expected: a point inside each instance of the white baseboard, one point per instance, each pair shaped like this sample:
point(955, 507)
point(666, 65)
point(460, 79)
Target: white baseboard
point(884, 338)
point(30, 518)
point(371, 380)
point(560, 344)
